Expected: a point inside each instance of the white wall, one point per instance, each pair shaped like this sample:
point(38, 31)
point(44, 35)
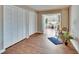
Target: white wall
point(19, 23)
point(74, 25)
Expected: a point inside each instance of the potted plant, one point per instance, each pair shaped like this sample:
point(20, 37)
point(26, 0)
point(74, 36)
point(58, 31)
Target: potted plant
point(65, 36)
point(68, 39)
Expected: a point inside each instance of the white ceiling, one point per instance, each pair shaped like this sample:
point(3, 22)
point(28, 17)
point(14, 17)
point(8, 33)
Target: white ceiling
point(47, 7)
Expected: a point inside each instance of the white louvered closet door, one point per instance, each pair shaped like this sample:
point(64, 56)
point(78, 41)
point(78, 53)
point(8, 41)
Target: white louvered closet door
point(32, 22)
point(7, 26)
point(25, 23)
point(14, 24)
point(20, 24)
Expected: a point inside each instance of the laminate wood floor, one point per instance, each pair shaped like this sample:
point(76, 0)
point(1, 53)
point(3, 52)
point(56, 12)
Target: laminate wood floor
point(39, 44)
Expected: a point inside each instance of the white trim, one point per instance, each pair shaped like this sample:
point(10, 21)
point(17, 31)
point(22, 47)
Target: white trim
point(75, 44)
point(14, 42)
point(1, 51)
point(27, 37)
point(39, 32)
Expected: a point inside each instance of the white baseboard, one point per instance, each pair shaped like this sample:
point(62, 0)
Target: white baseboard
point(75, 44)
point(14, 42)
point(1, 51)
point(27, 37)
point(39, 32)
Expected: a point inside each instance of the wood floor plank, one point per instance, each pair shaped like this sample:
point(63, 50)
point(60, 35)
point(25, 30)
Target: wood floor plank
point(39, 44)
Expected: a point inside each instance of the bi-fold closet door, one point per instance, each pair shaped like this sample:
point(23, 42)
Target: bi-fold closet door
point(7, 26)
point(16, 25)
point(25, 23)
point(20, 24)
point(32, 22)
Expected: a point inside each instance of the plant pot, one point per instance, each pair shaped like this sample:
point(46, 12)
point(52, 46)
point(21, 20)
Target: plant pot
point(66, 43)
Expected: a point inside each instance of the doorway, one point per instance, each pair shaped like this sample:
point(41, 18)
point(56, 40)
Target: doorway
point(51, 24)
